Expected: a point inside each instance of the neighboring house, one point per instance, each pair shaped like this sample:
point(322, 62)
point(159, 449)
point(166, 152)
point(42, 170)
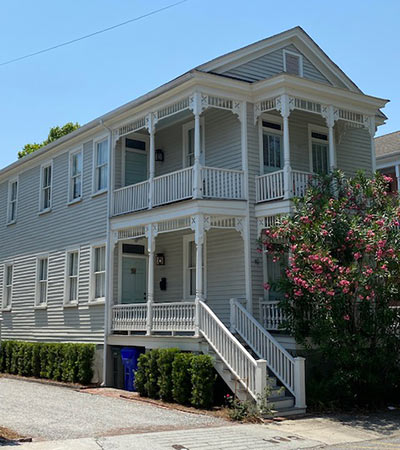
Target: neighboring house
point(147, 218)
point(388, 157)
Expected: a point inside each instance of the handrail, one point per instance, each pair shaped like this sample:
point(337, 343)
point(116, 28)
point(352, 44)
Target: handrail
point(223, 169)
point(240, 362)
point(270, 186)
point(289, 370)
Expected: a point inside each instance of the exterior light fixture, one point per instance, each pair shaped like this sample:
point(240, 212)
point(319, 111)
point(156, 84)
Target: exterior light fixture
point(159, 156)
point(160, 259)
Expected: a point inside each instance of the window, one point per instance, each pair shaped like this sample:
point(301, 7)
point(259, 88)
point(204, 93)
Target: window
point(189, 259)
point(188, 143)
point(12, 201)
point(101, 166)
point(319, 152)
point(45, 187)
point(8, 286)
point(75, 174)
point(99, 273)
point(41, 281)
point(272, 146)
point(71, 294)
point(292, 63)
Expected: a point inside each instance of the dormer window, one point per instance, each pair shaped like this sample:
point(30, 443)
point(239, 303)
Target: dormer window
point(292, 63)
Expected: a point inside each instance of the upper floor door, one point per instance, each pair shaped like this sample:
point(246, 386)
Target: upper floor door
point(136, 160)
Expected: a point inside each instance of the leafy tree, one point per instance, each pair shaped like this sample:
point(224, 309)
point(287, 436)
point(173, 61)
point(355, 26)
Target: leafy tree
point(342, 284)
point(54, 134)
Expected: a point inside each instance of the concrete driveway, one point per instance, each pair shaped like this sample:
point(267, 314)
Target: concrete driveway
point(48, 412)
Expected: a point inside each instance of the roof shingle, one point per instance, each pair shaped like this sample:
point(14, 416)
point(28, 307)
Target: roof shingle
point(387, 144)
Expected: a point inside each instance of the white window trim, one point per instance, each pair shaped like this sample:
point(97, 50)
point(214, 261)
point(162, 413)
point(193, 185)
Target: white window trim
point(267, 118)
point(43, 210)
point(43, 305)
point(185, 142)
point(73, 152)
point(138, 137)
point(315, 129)
point(299, 55)
point(92, 289)
point(5, 307)
point(186, 239)
point(67, 302)
point(96, 192)
point(10, 183)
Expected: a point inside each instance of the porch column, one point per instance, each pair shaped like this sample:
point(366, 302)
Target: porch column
point(197, 183)
point(150, 119)
point(199, 231)
point(285, 113)
point(372, 131)
point(330, 122)
point(151, 233)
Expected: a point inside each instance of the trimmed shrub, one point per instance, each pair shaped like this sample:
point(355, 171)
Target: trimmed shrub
point(182, 378)
point(203, 379)
point(153, 391)
point(66, 362)
point(165, 382)
point(142, 373)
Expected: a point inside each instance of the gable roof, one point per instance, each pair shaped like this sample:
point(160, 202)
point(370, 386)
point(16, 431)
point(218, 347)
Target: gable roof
point(296, 36)
point(387, 144)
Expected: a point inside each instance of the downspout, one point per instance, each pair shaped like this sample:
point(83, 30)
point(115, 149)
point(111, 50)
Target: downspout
point(109, 250)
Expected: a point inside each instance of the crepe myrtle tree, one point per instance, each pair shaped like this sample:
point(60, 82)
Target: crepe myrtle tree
point(340, 290)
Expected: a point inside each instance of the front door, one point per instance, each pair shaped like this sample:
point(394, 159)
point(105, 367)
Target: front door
point(135, 161)
point(133, 280)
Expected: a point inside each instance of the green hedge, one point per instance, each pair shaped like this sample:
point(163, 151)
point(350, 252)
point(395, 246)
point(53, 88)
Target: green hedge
point(170, 374)
point(59, 362)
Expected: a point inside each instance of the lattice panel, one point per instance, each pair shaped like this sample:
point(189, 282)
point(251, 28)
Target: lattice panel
point(174, 108)
point(132, 126)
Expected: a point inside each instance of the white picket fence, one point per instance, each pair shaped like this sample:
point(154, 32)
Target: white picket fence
point(289, 370)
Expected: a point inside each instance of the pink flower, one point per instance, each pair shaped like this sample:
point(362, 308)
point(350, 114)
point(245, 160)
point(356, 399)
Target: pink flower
point(331, 293)
point(357, 256)
point(380, 222)
point(346, 317)
point(387, 179)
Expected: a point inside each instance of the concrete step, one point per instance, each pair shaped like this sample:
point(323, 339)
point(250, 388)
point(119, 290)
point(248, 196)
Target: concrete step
point(281, 403)
point(286, 412)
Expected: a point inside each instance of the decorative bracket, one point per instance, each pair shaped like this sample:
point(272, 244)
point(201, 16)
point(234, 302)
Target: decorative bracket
point(369, 124)
point(241, 226)
point(330, 114)
point(151, 122)
point(200, 224)
point(285, 105)
point(151, 233)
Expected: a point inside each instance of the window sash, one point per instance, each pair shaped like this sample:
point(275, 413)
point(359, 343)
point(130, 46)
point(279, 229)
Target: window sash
point(101, 165)
point(46, 187)
point(12, 204)
point(72, 276)
point(76, 176)
point(320, 161)
point(42, 278)
point(272, 150)
point(8, 285)
point(99, 272)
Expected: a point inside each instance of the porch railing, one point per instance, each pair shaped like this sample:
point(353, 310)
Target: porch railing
point(179, 185)
point(129, 317)
point(173, 317)
point(271, 186)
point(223, 183)
point(271, 315)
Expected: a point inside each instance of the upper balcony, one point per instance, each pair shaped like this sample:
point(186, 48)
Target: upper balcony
point(190, 149)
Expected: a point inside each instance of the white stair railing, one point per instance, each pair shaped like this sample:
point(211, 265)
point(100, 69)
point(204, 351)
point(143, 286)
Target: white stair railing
point(272, 315)
point(289, 370)
point(250, 373)
point(270, 186)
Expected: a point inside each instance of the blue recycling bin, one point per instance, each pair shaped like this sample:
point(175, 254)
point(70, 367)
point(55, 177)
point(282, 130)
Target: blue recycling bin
point(129, 356)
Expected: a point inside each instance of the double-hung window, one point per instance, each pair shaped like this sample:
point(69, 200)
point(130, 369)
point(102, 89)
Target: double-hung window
point(41, 280)
point(319, 152)
point(99, 273)
point(189, 260)
point(100, 166)
point(188, 143)
point(46, 186)
point(75, 174)
point(72, 277)
point(8, 285)
point(12, 201)
point(272, 146)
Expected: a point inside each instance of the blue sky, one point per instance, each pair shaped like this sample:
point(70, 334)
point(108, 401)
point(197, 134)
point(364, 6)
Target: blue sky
point(86, 79)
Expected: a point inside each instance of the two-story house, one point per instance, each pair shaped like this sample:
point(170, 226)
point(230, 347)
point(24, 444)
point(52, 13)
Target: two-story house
point(387, 149)
point(141, 228)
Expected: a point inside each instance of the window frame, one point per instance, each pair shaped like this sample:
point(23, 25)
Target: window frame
point(10, 183)
point(38, 303)
point(92, 290)
point(187, 239)
point(6, 304)
point(95, 167)
point(321, 130)
point(185, 142)
point(67, 283)
point(273, 119)
point(42, 209)
point(71, 177)
point(301, 61)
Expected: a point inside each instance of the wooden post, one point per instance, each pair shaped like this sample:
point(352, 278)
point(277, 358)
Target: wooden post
point(299, 382)
point(372, 130)
point(329, 115)
point(285, 113)
point(151, 128)
point(150, 234)
point(261, 377)
point(233, 315)
point(197, 181)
